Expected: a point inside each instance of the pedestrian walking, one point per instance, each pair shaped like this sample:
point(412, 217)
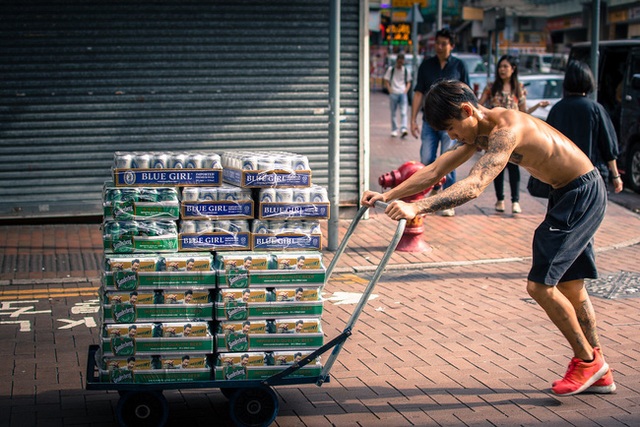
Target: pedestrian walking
point(441, 66)
point(397, 81)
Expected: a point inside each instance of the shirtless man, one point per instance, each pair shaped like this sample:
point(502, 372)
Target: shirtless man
point(563, 254)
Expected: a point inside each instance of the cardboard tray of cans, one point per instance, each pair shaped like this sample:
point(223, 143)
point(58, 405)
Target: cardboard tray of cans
point(262, 365)
point(157, 305)
point(293, 203)
point(178, 271)
point(139, 236)
point(150, 169)
point(168, 367)
point(252, 303)
point(260, 269)
point(262, 335)
point(224, 202)
point(121, 339)
point(280, 235)
point(140, 203)
point(260, 169)
point(198, 235)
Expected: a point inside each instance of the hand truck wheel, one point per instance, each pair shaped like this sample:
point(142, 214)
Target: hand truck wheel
point(142, 409)
point(254, 407)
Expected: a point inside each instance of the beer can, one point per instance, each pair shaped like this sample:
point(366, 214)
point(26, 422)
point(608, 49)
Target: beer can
point(111, 195)
point(179, 160)
point(295, 226)
point(112, 228)
point(221, 226)
point(167, 195)
point(249, 163)
point(161, 161)
point(267, 195)
point(190, 194)
point(239, 226)
point(211, 161)
point(265, 164)
point(277, 227)
point(124, 160)
point(312, 227)
point(205, 226)
point(318, 194)
point(301, 195)
point(148, 195)
point(229, 193)
point(284, 195)
point(129, 195)
point(300, 163)
point(188, 227)
point(259, 227)
point(283, 162)
point(142, 161)
point(195, 161)
point(129, 228)
point(208, 194)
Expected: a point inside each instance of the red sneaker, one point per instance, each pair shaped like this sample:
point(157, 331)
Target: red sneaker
point(604, 385)
point(581, 375)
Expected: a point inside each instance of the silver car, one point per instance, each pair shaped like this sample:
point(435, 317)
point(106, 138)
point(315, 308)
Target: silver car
point(542, 87)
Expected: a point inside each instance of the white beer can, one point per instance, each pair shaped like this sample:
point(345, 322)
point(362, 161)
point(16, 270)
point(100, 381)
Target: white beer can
point(284, 195)
point(300, 163)
point(161, 161)
point(209, 194)
point(318, 194)
point(190, 194)
point(124, 160)
point(301, 195)
point(194, 161)
point(188, 227)
point(143, 161)
point(267, 195)
point(179, 160)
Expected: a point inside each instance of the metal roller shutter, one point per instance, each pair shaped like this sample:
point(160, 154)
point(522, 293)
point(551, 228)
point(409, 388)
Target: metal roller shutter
point(83, 79)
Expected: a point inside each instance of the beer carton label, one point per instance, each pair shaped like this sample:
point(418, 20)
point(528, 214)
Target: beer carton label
point(218, 210)
point(125, 280)
point(167, 177)
point(121, 376)
point(297, 294)
point(131, 331)
point(242, 359)
point(186, 297)
point(238, 278)
point(235, 310)
point(130, 263)
point(132, 298)
point(124, 313)
point(293, 210)
point(246, 327)
point(234, 372)
point(286, 241)
point(174, 330)
point(237, 341)
point(200, 241)
point(123, 346)
point(245, 295)
point(259, 179)
point(299, 261)
point(185, 262)
point(183, 362)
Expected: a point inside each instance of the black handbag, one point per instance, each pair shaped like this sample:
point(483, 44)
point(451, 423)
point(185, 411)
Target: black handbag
point(538, 188)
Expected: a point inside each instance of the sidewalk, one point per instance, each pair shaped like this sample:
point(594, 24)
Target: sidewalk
point(449, 338)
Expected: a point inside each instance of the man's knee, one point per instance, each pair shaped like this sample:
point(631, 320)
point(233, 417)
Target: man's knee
point(538, 291)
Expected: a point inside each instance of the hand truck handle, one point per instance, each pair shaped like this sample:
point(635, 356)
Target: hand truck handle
point(347, 236)
point(368, 290)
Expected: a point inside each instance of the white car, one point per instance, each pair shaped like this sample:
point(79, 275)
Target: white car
point(542, 87)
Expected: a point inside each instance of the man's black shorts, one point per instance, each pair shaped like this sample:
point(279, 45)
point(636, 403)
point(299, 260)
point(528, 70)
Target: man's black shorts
point(563, 243)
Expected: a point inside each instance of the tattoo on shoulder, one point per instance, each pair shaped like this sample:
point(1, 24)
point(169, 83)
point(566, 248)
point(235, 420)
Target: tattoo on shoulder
point(455, 146)
point(502, 139)
point(482, 142)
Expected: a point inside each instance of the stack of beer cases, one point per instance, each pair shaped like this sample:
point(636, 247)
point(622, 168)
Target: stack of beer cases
point(157, 303)
point(268, 305)
point(232, 290)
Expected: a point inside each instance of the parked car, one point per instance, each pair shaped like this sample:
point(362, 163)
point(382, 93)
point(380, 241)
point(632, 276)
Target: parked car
point(542, 87)
point(619, 93)
point(535, 62)
point(473, 62)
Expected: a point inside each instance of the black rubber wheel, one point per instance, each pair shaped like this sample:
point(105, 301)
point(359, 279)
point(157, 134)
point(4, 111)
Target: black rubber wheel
point(142, 409)
point(632, 176)
point(228, 392)
point(254, 407)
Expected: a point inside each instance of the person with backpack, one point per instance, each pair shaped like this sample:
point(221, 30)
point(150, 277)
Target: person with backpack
point(397, 81)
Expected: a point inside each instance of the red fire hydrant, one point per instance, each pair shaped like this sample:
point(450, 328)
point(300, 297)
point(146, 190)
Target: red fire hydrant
point(411, 240)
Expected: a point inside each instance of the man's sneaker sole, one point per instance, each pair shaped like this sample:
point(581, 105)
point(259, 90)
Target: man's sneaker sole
point(601, 372)
point(602, 389)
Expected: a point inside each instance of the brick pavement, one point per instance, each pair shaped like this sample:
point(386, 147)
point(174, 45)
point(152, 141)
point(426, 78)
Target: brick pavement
point(451, 337)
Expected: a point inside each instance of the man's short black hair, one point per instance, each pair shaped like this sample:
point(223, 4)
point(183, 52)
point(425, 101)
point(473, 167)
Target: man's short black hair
point(446, 33)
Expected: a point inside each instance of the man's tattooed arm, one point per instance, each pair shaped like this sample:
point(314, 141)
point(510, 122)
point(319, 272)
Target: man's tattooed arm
point(498, 151)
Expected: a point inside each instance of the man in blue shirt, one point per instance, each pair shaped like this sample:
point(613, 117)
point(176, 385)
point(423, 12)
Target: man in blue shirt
point(441, 66)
